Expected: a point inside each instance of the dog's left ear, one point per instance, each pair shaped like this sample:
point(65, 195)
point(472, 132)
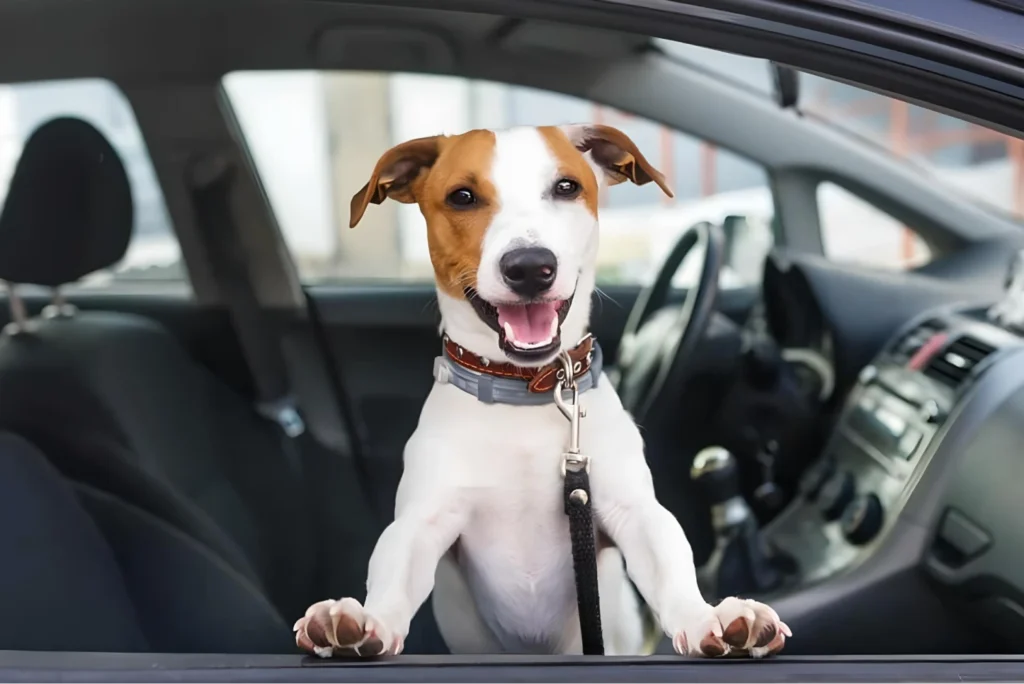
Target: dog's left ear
point(615, 154)
point(394, 174)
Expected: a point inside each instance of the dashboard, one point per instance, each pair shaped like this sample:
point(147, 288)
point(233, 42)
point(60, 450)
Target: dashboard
point(918, 498)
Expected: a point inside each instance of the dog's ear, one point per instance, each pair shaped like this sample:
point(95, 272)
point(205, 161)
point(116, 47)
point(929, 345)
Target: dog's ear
point(615, 154)
point(394, 174)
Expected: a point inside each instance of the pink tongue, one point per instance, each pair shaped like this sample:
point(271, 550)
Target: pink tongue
point(531, 323)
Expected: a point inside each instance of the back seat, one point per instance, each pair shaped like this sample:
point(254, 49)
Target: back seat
point(56, 563)
point(173, 464)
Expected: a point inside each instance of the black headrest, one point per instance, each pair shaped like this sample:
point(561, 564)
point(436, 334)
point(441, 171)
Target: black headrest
point(68, 211)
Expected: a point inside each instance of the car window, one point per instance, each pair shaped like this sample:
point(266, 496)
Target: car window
point(153, 254)
point(317, 145)
point(855, 231)
point(976, 162)
point(979, 163)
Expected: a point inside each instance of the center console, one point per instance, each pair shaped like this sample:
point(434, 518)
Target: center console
point(905, 535)
point(884, 440)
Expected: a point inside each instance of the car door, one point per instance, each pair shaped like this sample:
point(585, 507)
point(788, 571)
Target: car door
point(902, 54)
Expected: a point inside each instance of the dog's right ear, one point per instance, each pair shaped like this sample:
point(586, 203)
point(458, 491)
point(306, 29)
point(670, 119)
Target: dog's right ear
point(394, 174)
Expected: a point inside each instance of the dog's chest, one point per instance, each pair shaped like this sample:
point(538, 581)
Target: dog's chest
point(515, 550)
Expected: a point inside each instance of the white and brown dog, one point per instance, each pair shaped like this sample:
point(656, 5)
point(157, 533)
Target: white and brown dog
point(512, 222)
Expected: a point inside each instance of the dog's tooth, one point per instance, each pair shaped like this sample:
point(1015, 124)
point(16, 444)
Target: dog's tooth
point(554, 327)
point(510, 336)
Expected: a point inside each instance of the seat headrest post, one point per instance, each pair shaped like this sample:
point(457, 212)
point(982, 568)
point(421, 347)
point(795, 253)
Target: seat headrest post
point(59, 306)
point(19, 316)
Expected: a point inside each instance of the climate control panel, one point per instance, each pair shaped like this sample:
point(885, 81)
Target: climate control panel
point(846, 500)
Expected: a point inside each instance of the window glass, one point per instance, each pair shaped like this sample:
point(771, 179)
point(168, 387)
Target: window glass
point(980, 164)
point(153, 254)
point(855, 231)
point(317, 145)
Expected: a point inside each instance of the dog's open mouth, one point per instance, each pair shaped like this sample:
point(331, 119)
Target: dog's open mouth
point(527, 331)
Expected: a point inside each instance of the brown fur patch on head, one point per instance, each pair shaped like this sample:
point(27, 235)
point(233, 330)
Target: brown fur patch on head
point(395, 174)
point(572, 165)
point(427, 171)
point(455, 235)
point(616, 154)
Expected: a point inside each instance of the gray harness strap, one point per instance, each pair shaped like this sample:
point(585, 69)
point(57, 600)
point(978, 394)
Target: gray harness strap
point(494, 390)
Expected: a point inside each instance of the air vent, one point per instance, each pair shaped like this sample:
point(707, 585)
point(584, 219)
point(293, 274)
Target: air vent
point(910, 343)
point(955, 363)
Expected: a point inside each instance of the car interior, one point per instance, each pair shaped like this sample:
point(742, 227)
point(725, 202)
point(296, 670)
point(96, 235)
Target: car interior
point(192, 458)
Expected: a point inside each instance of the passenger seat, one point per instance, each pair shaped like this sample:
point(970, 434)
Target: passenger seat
point(188, 484)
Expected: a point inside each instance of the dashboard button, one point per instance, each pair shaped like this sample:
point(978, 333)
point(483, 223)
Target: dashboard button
point(867, 374)
point(931, 412)
point(862, 519)
point(890, 423)
point(909, 442)
point(963, 535)
point(836, 495)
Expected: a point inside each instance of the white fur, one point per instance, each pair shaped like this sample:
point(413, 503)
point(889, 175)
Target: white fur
point(487, 478)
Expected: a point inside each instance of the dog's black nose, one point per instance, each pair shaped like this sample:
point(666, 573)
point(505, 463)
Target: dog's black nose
point(529, 271)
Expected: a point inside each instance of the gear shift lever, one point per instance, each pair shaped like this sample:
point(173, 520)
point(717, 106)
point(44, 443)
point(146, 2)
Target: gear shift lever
point(739, 564)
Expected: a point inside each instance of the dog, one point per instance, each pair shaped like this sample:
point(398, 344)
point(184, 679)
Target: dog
point(512, 230)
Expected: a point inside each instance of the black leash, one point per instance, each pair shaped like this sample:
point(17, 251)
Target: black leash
point(584, 559)
point(576, 474)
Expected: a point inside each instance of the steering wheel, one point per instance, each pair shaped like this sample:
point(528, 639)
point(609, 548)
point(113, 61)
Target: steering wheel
point(657, 347)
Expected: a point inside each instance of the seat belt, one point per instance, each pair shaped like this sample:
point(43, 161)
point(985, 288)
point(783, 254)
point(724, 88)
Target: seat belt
point(210, 182)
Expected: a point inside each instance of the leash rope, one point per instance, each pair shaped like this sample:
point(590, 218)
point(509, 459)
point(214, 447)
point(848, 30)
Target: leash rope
point(576, 476)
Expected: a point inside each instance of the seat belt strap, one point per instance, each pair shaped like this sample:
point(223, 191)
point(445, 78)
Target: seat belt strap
point(210, 182)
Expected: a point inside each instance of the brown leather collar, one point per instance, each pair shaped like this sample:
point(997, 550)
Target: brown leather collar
point(539, 380)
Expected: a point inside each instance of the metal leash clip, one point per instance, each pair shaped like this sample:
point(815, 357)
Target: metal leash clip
point(572, 459)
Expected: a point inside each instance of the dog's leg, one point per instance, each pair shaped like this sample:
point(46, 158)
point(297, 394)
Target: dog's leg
point(660, 562)
point(621, 613)
point(458, 619)
point(400, 577)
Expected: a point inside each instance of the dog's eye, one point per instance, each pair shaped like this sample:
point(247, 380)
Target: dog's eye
point(461, 198)
point(566, 188)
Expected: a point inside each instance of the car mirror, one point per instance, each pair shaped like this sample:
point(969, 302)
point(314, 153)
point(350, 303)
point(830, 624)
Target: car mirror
point(786, 85)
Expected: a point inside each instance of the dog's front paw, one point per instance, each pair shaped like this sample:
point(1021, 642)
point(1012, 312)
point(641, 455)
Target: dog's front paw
point(735, 627)
point(343, 628)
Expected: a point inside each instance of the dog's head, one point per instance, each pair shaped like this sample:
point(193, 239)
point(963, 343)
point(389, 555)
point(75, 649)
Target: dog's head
point(512, 228)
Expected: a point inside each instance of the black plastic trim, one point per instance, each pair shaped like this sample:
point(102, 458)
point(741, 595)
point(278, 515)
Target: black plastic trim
point(865, 21)
point(964, 77)
point(23, 667)
point(1011, 5)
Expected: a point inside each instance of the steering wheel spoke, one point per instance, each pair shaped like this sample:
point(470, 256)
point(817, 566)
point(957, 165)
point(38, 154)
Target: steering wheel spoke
point(648, 367)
